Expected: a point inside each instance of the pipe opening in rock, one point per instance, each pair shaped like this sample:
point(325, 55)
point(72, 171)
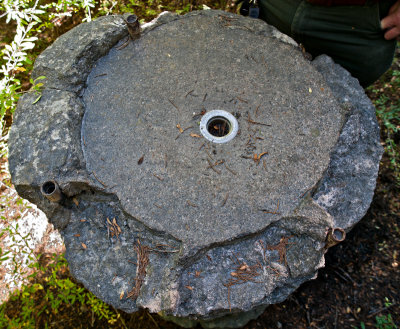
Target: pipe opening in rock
point(49, 187)
point(131, 19)
point(334, 236)
point(51, 191)
point(339, 234)
point(219, 126)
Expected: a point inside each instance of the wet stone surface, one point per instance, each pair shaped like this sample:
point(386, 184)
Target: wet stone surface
point(155, 215)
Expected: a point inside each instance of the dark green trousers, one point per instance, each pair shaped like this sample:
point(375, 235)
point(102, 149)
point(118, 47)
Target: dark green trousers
point(351, 35)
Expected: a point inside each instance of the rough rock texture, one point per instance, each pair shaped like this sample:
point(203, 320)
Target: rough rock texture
point(217, 241)
point(354, 163)
point(163, 70)
point(67, 63)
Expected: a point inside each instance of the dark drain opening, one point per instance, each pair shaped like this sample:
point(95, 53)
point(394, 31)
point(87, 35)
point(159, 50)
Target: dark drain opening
point(51, 191)
point(131, 19)
point(218, 126)
point(339, 234)
point(49, 187)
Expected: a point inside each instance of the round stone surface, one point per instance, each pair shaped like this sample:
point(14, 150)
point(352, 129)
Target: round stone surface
point(141, 129)
point(156, 216)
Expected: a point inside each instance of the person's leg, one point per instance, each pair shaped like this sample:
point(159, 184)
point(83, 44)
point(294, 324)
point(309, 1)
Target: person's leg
point(351, 35)
point(279, 13)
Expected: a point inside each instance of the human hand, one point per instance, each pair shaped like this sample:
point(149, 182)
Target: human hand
point(391, 22)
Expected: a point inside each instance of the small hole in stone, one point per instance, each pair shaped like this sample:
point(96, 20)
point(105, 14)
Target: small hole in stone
point(49, 187)
point(218, 126)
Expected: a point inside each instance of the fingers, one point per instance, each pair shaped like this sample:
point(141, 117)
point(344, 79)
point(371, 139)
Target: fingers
point(392, 33)
point(394, 8)
point(388, 22)
point(392, 22)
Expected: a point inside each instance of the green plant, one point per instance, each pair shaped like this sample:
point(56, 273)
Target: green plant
point(390, 117)
point(3, 255)
point(101, 309)
point(21, 259)
point(29, 17)
point(19, 256)
point(55, 291)
point(387, 105)
point(385, 322)
point(14, 55)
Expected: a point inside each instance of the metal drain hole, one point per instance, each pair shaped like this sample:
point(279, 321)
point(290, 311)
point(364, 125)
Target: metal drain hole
point(339, 234)
point(219, 126)
point(49, 187)
point(51, 191)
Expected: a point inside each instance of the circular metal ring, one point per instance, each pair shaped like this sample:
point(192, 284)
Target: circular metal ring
point(222, 116)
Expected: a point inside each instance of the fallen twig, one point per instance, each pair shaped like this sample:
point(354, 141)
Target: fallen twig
point(142, 262)
point(249, 120)
point(242, 273)
point(256, 112)
point(100, 75)
point(230, 170)
point(101, 182)
point(242, 100)
point(181, 131)
point(158, 177)
point(225, 199)
point(203, 111)
point(113, 228)
point(257, 157)
point(189, 93)
point(191, 204)
point(212, 167)
point(173, 104)
point(217, 163)
point(381, 310)
point(281, 249)
point(275, 212)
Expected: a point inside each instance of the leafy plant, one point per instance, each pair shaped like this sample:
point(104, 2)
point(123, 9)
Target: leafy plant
point(387, 102)
point(27, 16)
point(19, 256)
point(56, 291)
point(390, 114)
point(385, 322)
point(14, 55)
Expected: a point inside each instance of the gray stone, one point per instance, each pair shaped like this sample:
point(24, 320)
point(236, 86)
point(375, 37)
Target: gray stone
point(355, 161)
point(45, 145)
point(108, 130)
point(147, 120)
point(67, 62)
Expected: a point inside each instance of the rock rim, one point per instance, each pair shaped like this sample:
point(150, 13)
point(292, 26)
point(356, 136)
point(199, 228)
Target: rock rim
point(188, 276)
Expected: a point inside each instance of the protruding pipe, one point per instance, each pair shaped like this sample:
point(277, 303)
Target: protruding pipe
point(51, 191)
point(133, 26)
point(334, 236)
